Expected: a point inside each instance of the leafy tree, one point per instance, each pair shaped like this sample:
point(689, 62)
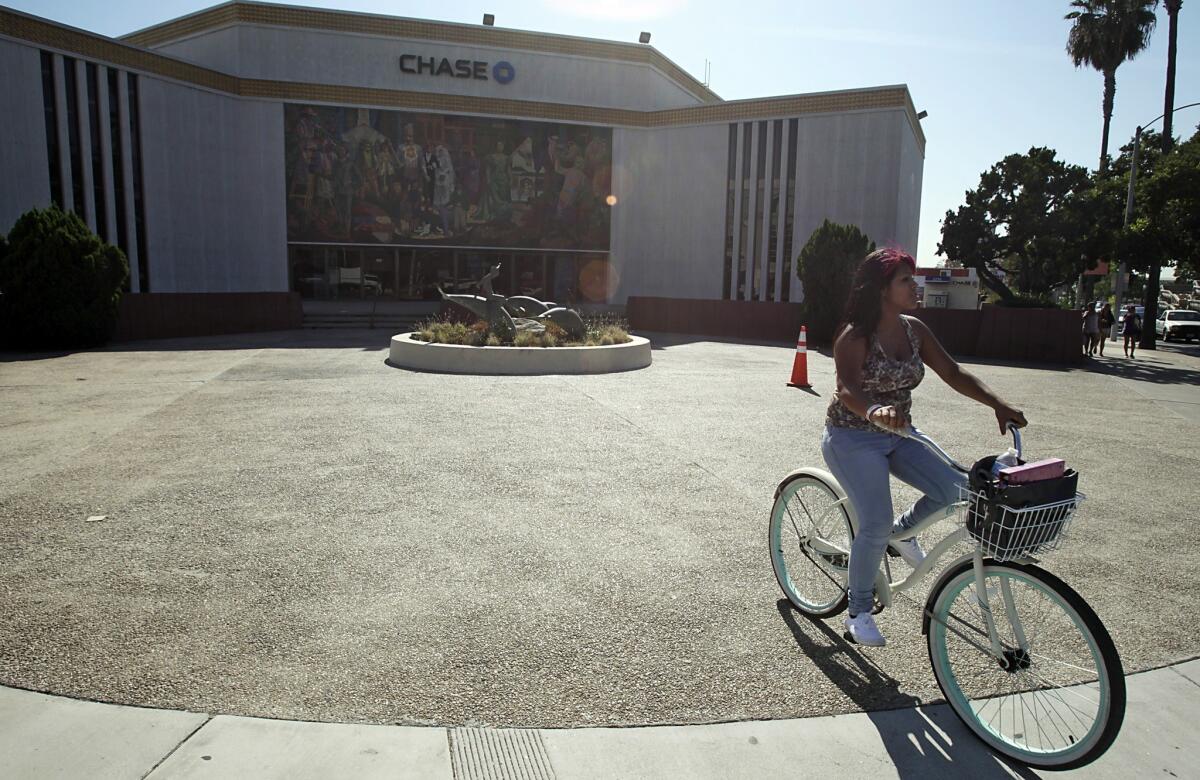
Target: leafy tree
point(1106, 33)
point(1166, 225)
point(1027, 228)
point(826, 267)
point(1160, 232)
point(61, 284)
point(1110, 191)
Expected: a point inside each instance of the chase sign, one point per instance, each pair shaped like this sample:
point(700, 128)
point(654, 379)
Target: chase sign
point(501, 72)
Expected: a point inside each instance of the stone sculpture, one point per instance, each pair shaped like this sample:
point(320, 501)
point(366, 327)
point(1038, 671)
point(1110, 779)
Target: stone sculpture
point(506, 316)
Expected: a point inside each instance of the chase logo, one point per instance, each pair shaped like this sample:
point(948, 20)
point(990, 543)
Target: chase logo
point(503, 72)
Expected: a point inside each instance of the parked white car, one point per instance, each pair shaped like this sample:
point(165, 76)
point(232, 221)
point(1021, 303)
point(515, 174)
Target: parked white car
point(1177, 324)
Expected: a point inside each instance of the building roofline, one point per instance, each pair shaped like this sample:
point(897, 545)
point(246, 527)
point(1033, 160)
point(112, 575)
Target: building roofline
point(279, 15)
point(43, 33)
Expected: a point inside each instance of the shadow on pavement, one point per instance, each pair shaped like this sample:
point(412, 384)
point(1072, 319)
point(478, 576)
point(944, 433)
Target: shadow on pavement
point(659, 340)
point(1144, 369)
point(365, 339)
point(921, 742)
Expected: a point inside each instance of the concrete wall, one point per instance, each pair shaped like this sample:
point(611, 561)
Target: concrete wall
point(213, 170)
point(848, 169)
point(24, 170)
point(669, 223)
point(908, 194)
point(668, 226)
point(367, 61)
point(217, 49)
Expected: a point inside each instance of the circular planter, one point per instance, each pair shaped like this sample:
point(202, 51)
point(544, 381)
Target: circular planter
point(407, 352)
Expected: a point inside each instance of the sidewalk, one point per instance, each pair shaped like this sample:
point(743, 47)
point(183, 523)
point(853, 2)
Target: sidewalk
point(45, 736)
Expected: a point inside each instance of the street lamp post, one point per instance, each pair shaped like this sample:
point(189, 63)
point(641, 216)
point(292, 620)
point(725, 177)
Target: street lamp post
point(1123, 270)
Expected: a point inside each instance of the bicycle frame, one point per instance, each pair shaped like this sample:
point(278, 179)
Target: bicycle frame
point(884, 588)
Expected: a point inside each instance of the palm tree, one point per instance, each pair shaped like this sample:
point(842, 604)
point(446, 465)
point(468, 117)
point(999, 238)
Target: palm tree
point(1154, 273)
point(1173, 7)
point(1105, 34)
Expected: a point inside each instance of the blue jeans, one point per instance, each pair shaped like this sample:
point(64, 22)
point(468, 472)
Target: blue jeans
point(861, 461)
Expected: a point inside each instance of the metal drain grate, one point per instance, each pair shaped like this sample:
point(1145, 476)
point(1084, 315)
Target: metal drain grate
point(499, 754)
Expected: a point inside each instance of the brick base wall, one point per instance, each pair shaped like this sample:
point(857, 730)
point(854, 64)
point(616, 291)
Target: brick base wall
point(177, 315)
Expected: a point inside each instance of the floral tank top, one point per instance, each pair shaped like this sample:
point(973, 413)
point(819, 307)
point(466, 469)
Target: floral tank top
point(884, 380)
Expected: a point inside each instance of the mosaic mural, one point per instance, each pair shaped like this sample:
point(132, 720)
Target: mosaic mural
point(357, 175)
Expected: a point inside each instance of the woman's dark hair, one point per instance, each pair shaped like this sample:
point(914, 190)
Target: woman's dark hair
point(874, 274)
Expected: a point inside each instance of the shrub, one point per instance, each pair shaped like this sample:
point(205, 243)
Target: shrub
point(61, 284)
point(528, 338)
point(1027, 302)
point(826, 267)
point(601, 330)
point(443, 332)
point(609, 334)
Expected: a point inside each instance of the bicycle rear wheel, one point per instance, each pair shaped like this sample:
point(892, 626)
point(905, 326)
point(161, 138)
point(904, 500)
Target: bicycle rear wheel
point(1057, 699)
point(810, 538)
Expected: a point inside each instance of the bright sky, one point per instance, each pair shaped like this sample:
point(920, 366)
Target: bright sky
point(994, 76)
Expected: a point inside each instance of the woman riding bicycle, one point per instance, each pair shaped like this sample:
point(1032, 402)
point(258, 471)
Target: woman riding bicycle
point(880, 355)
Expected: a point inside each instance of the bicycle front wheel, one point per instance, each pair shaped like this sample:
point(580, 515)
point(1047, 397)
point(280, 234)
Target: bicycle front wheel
point(810, 538)
point(1057, 698)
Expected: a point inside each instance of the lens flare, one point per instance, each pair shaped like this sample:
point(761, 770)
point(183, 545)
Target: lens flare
point(611, 200)
point(596, 279)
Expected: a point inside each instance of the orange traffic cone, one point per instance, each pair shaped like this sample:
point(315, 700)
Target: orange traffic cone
point(800, 366)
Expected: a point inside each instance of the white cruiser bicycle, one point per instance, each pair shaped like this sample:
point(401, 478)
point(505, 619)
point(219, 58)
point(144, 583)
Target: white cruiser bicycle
point(1019, 655)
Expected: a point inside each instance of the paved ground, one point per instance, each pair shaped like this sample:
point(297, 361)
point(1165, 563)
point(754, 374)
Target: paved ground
point(49, 736)
point(295, 529)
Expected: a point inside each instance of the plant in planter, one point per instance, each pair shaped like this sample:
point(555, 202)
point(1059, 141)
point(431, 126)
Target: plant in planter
point(518, 320)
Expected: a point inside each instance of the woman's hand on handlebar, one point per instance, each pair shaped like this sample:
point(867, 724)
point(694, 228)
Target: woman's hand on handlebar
point(1006, 414)
point(890, 418)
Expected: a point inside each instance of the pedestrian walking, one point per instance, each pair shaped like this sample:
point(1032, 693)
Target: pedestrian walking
point(1091, 328)
point(1106, 322)
point(1131, 329)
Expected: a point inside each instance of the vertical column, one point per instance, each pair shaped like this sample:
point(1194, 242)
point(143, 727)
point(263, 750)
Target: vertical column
point(752, 177)
point(131, 252)
point(64, 138)
point(764, 254)
point(106, 141)
point(82, 117)
point(737, 212)
point(784, 266)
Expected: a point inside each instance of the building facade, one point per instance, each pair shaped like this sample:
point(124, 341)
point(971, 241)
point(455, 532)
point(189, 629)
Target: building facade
point(254, 147)
point(947, 288)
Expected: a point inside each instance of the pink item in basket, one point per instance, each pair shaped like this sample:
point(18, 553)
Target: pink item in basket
point(1034, 472)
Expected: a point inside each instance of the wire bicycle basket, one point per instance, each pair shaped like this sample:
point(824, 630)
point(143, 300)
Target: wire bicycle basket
point(1006, 532)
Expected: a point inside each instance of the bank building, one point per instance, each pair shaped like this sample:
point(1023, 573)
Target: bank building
point(252, 152)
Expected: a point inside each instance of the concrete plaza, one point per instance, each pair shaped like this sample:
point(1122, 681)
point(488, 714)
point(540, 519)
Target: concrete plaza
point(295, 529)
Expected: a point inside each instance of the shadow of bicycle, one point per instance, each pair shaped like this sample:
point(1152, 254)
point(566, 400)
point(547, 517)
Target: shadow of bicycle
point(921, 741)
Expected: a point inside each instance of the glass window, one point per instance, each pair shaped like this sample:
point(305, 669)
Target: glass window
point(530, 275)
point(50, 110)
point(75, 154)
point(306, 272)
point(93, 92)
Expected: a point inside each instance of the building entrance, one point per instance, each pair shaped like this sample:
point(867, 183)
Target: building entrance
point(344, 273)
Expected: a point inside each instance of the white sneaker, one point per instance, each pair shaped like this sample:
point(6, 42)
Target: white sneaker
point(910, 550)
point(862, 629)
